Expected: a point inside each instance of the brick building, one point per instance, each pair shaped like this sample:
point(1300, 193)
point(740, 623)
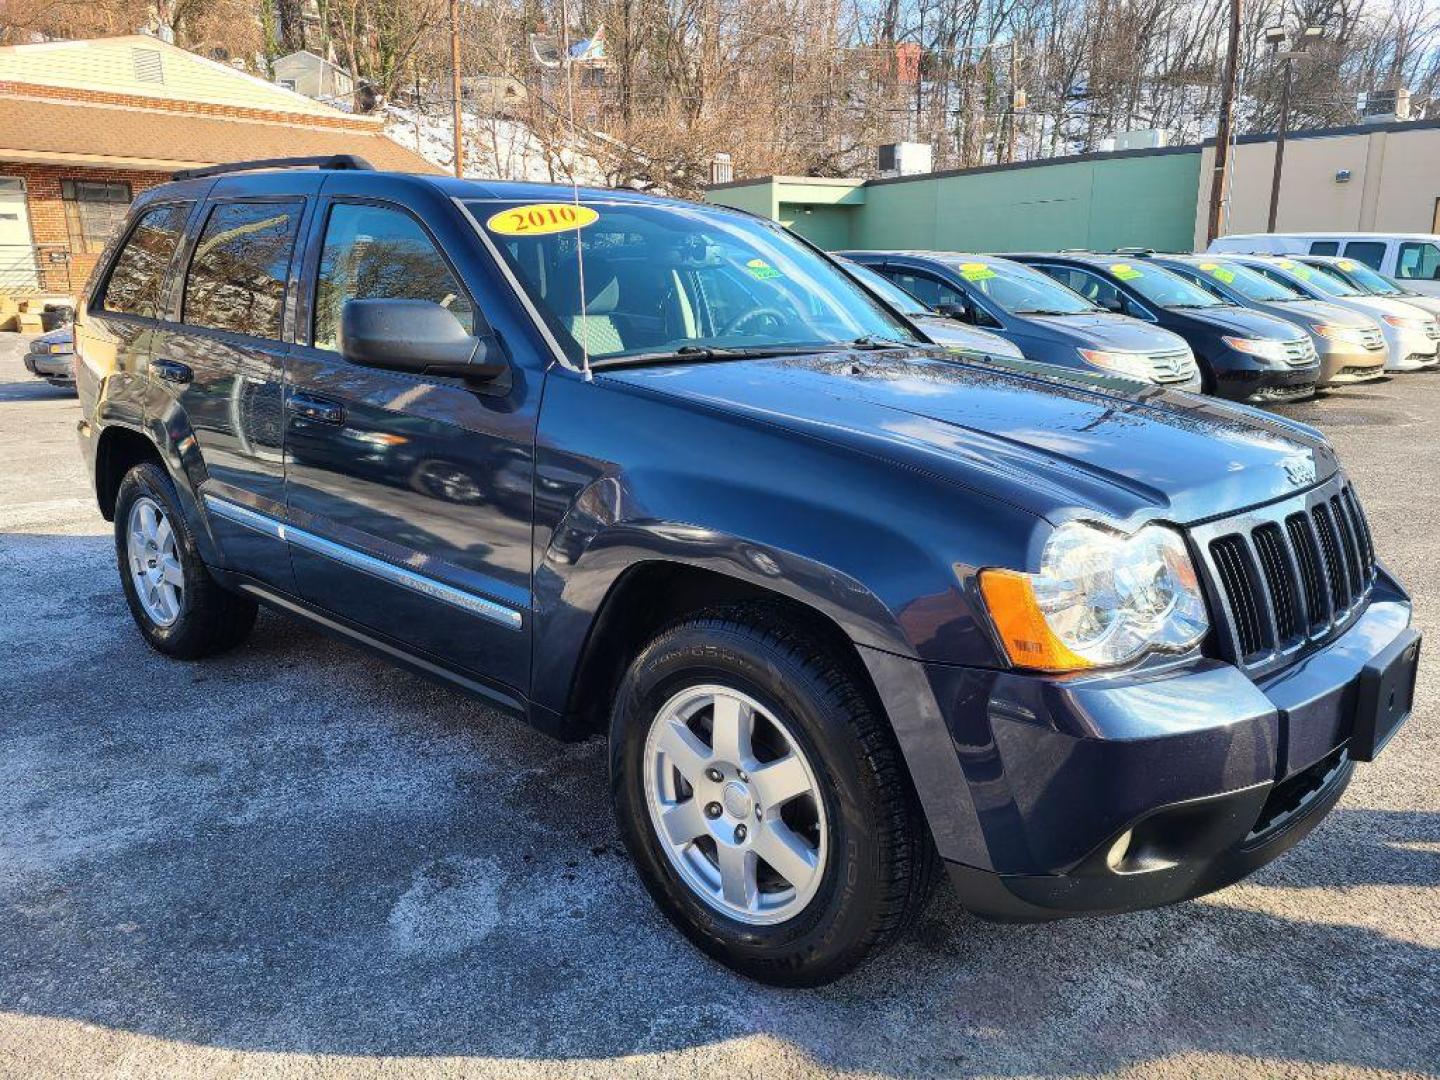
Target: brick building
point(85, 126)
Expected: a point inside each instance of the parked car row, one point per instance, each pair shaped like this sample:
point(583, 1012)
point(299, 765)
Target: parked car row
point(1253, 328)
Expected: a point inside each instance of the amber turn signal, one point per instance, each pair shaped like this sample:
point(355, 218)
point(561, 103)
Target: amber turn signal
point(1026, 636)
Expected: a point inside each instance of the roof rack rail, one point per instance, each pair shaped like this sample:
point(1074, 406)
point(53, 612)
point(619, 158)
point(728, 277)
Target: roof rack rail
point(328, 161)
point(1134, 251)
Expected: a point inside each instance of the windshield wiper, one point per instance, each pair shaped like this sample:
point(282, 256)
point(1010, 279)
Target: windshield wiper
point(1049, 311)
point(870, 341)
point(700, 353)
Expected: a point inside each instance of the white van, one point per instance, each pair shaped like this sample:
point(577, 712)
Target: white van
point(1413, 258)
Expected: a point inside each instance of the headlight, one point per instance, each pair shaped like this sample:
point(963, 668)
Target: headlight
point(1135, 365)
point(1404, 322)
point(45, 348)
point(1350, 335)
point(1101, 598)
point(1265, 348)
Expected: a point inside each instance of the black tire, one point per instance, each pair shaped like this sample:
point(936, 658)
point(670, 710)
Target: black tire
point(882, 861)
point(212, 619)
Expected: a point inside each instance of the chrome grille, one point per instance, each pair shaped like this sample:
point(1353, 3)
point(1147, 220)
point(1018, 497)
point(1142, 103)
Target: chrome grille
point(1301, 353)
point(1175, 366)
point(1285, 578)
point(1372, 338)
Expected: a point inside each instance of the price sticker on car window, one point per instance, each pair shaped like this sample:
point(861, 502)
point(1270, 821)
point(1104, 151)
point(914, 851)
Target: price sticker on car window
point(1125, 272)
point(1301, 271)
point(538, 219)
point(974, 271)
point(761, 270)
point(1218, 272)
point(1346, 265)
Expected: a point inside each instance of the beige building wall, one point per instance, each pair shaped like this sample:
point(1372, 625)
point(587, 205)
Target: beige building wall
point(1393, 187)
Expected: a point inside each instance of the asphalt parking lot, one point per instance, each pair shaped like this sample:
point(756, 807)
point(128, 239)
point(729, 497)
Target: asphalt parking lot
point(298, 861)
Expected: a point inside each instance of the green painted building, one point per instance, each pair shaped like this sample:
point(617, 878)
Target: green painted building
point(1143, 198)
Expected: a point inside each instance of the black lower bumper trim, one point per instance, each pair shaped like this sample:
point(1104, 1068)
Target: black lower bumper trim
point(1175, 853)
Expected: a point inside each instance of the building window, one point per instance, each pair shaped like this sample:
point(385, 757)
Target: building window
point(93, 212)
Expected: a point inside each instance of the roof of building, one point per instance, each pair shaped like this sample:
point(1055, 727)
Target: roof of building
point(146, 67)
point(64, 132)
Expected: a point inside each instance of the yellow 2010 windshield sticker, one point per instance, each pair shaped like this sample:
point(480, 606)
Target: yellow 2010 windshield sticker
point(1218, 272)
point(1125, 272)
point(1301, 271)
point(974, 271)
point(1346, 264)
point(537, 219)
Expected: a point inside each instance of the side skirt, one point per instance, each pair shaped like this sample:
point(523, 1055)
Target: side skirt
point(498, 697)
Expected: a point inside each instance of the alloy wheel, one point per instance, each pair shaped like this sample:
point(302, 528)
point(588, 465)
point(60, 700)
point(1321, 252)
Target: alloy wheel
point(154, 557)
point(735, 804)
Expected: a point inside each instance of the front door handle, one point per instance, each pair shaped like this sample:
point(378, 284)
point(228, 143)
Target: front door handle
point(172, 371)
point(323, 410)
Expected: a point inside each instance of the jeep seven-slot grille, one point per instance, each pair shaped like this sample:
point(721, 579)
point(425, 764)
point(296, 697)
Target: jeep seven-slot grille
point(1292, 579)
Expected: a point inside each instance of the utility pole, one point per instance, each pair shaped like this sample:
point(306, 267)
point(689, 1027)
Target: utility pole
point(1280, 143)
point(1276, 35)
point(455, 87)
point(1222, 132)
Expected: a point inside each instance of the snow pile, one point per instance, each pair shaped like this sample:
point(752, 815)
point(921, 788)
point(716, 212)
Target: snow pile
point(496, 148)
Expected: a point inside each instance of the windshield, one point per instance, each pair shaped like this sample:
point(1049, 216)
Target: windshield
point(886, 289)
point(1317, 279)
point(1021, 290)
point(1362, 277)
point(1249, 284)
point(1161, 287)
point(658, 279)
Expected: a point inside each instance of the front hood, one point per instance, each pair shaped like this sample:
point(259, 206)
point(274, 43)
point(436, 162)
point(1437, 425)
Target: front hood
point(1103, 330)
point(1056, 446)
point(957, 335)
point(1242, 321)
point(1319, 311)
point(1428, 304)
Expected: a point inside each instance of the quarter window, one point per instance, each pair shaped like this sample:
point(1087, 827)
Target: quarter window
point(237, 274)
point(1369, 252)
point(376, 253)
point(139, 274)
point(93, 212)
point(1418, 261)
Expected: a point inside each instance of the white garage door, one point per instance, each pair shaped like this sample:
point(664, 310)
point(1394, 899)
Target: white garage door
point(17, 252)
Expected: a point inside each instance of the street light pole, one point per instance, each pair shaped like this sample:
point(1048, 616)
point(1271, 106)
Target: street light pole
point(1280, 143)
point(455, 87)
point(1222, 132)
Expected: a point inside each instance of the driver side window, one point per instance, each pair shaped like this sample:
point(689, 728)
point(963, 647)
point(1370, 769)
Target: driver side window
point(927, 288)
point(377, 253)
point(1091, 286)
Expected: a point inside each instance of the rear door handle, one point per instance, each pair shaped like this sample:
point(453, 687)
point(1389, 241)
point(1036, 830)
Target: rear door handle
point(319, 409)
point(172, 371)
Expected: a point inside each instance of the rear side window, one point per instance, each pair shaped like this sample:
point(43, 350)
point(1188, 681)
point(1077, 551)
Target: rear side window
point(378, 253)
point(139, 273)
point(1325, 247)
point(237, 275)
point(1418, 261)
point(1369, 252)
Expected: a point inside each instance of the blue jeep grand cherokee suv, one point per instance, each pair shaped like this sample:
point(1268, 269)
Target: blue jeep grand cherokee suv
point(847, 608)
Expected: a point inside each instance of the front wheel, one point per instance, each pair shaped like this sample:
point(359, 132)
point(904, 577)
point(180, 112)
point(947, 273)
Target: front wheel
point(763, 801)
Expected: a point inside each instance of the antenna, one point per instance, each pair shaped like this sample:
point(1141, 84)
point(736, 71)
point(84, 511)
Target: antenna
point(575, 189)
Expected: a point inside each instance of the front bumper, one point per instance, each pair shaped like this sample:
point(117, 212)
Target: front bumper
point(1064, 797)
point(1345, 367)
point(1258, 385)
point(57, 367)
point(1412, 351)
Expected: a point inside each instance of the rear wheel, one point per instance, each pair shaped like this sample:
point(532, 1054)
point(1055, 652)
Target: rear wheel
point(763, 801)
point(180, 609)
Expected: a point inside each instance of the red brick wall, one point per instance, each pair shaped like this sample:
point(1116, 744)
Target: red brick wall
point(47, 217)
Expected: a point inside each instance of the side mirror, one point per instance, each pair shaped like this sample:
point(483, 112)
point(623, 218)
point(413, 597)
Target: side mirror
point(965, 312)
point(1113, 303)
point(419, 337)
